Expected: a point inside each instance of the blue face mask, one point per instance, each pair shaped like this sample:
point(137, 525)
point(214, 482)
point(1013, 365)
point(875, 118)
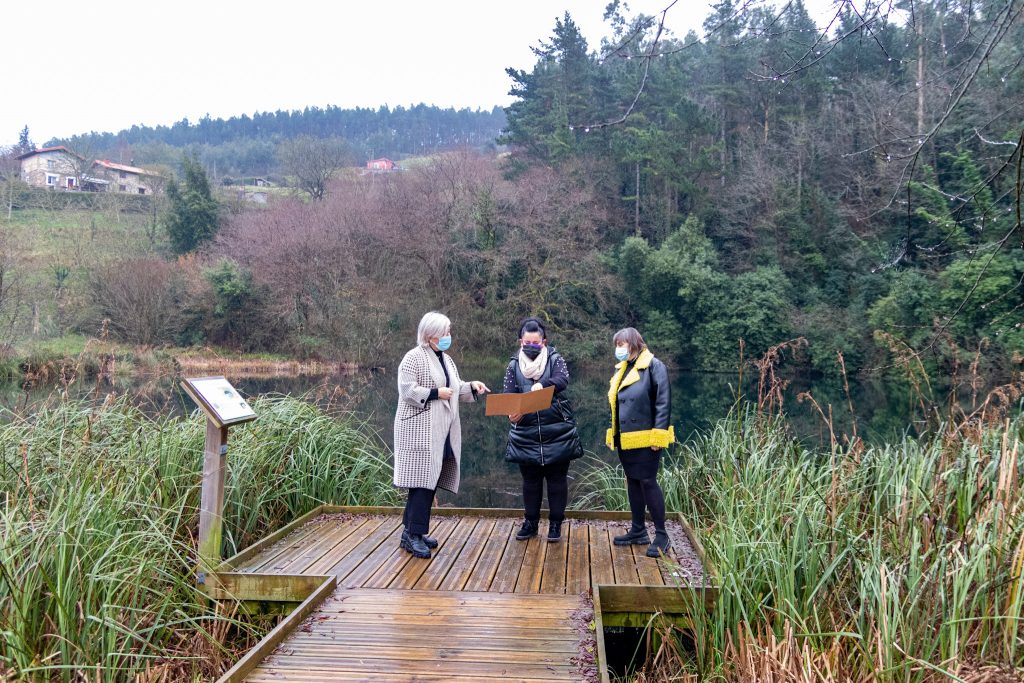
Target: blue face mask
point(622, 352)
point(444, 343)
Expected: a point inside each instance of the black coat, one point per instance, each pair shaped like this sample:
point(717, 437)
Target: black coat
point(641, 405)
point(547, 437)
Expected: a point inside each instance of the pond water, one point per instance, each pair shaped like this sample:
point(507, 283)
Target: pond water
point(698, 401)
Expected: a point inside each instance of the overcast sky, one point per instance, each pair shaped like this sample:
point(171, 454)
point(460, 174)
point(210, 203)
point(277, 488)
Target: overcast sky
point(76, 66)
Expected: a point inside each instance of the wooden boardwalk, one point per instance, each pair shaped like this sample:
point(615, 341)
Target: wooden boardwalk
point(405, 635)
point(484, 607)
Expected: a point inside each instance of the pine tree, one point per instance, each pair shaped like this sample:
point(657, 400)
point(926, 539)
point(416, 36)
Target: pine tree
point(192, 217)
point(25, 144)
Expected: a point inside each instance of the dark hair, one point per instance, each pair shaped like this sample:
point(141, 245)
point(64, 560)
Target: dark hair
point(632, 338)
point(532, 325)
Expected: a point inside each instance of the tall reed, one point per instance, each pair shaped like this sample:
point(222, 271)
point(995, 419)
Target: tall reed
point(899, 562)
point(97, 525)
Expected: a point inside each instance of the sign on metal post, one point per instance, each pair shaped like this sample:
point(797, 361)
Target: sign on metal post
point(224, 407)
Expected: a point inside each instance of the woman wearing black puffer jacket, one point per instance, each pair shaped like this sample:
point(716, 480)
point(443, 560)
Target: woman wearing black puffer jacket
point(542, 443)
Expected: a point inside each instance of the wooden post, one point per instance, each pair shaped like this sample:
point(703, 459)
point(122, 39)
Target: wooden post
point(211, 506)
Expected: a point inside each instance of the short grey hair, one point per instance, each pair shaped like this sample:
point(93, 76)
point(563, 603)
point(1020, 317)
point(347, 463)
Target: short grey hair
point(433, 324)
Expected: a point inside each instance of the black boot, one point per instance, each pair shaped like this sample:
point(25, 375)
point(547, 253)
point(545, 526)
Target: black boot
point(635, 536)
point(659, 547)
point(554, 531)
point(429, 541)
point(527, 530)
point(415, 545)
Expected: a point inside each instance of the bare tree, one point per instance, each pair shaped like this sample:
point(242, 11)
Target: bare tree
point(141, 299)
point(11, 301)
point(10, 176)
point(313, 161)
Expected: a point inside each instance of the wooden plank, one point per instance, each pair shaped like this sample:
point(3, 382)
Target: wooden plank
point(710, 574)
point(399, 558)
point(487, 566)
point(651, 599)
point(324, 652)
point(444, 620)
point(466, 640)
point(330, 535)
point(459, 574)
point(445, 556)
point(371, 596)
point(375, 559)
point(555, 562)
point(577, 577)
point(281, 552)
point(263, 587)
point(600, 554)
point(333, 556)
point(352, 559)
point(507, 572)
point(602, 653)
point(247, 554)
point(353, 662)
point(467, 611)
point(415, 566)
point(269, 642)
point(533, 566)
point(328, 629)
point(369, 677)
point(647, 567)
point(622, 563)
point(476, 512)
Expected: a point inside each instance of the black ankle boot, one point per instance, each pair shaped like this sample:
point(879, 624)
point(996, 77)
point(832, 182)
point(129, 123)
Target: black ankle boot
point(554, 531)
point(635, 536)
point(659, 547)
point(429, 541)
point(527, 530)
point(415, 545)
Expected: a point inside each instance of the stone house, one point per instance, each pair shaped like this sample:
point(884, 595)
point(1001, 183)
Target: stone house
point(107, 176)
point(59, 168)
point(52, 167)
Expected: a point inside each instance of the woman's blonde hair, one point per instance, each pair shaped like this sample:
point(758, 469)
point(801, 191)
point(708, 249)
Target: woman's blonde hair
point(632, 338)
point(433, 324)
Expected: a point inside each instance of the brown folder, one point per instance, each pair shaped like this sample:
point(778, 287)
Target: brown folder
point(519, 404)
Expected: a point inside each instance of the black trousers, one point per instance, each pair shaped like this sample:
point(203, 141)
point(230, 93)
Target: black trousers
point(557, 478)
point(416, 517)
point(645, 494)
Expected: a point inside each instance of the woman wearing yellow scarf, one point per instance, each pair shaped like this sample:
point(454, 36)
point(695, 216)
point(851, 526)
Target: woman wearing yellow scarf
point(641, 403)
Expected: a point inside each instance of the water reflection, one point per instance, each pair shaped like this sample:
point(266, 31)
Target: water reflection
point(699, 400)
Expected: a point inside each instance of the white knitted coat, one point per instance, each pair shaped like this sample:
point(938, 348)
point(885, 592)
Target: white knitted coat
point(421, 426)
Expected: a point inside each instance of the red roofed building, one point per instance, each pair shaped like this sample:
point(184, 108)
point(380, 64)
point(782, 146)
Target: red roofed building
point(112, 177)
point(381, 165)
point(59, 168)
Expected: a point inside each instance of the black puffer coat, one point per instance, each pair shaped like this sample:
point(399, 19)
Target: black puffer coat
point(547, 437)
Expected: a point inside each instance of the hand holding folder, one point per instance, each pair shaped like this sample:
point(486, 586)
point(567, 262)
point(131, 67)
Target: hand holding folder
point(519, 404)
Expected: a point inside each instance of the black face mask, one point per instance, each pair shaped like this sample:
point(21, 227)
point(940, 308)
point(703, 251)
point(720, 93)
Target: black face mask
point(531, 351)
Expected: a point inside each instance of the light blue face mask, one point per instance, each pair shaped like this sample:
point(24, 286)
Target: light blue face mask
point(622, 352)
point(444, 343)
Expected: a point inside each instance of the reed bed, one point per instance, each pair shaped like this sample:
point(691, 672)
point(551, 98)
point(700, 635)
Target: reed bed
point(97, 522)
point(898, 562)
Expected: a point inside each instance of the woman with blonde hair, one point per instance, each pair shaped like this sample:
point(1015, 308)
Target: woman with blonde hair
point(428, 433)
point(640, 398)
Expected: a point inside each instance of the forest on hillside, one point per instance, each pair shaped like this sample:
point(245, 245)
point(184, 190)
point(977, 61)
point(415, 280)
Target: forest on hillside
point(856, 188)
point(248, 145)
